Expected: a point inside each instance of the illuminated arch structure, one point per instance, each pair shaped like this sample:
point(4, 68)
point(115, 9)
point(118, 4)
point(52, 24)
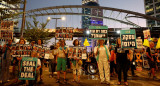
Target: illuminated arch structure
point(77, 10)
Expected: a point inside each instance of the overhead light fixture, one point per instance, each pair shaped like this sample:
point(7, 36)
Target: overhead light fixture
point(88, 32)
point(118, 31)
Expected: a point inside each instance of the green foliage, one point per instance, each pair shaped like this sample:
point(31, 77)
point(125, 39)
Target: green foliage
point(36, 31)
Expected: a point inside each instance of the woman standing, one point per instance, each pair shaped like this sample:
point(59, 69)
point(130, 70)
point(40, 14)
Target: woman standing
point(17, 61)
point(122, 61)
point(52, 61)
point(76, 66)
point(113, 69)
point(61, 60)
point(103, 56)
point(42, 61)
point(6, 61)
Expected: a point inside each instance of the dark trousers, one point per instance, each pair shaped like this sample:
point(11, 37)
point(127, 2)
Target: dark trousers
point(132, 68)
point(113, 67)
point(68, 63)
point(122, 67)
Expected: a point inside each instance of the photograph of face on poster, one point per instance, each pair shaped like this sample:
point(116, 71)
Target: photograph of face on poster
point(67, 35)
point(21, 50)
point(75, 52)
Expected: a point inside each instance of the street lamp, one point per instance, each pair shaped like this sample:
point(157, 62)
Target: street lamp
point(62, 18)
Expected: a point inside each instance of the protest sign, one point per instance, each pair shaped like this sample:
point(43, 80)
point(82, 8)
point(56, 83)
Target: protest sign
point(128, 38)
point(65, 33)
point(98, 32)
point(139, 43)
point(28, 68)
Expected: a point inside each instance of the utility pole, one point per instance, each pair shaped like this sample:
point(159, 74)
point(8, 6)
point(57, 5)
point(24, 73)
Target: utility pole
point(23, 18)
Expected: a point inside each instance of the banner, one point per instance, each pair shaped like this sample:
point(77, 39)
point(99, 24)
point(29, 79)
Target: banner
point(65, 33)
point(139, 43)
point(128, 38)
point(98, 32)
point(6, 30)
point(147, 34)
point(21, 50)
point(75, 52)
point(40, 50)
point(28, 68)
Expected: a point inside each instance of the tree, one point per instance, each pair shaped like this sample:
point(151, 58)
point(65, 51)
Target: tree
point(36, 31)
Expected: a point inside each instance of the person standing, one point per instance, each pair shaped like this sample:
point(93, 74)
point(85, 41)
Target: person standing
point(150, 52)
point(17, 62)
point(103, 56)
point(52, 61)
point(6, 61)
point(41, 58)
point(121, 61)
point(0, 62)
point(76, 65)
point(61, 60)
point(132, 62)
point(112, 64)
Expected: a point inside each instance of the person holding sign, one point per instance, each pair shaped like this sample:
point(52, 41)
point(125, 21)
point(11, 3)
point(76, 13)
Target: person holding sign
point(61, 60)
point(122, 61)
point(103, 56)
point(6, 61)
point(150, 52)
point(76, 63)
point(34, 55)
point(17, 60)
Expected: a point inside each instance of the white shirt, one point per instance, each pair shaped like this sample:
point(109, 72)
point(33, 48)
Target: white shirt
point(102, 52)
point(61, 54)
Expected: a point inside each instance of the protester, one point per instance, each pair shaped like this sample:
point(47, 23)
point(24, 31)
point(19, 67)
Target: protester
point(121, 61)
point(84, 59)
point(150, 52)
point(17, 62)
point(6, 62)
point(61, 60)
point(76, 63)
point(0, 63)
point(34, 54)
point(42, 62)
point(52, 61)
point(103, 56)
point(131, 62)
point(112, 64)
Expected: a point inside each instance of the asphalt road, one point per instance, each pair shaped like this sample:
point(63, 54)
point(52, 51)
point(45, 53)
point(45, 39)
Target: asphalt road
point(93, 80)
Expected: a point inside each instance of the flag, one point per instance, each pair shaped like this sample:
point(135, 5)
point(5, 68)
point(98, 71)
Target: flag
point(158, 44)
point(86, 43)
point(146, 43)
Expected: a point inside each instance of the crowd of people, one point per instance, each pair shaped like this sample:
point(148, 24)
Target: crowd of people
point(110, 61)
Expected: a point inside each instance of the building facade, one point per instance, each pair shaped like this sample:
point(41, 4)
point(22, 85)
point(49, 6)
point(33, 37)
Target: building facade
point(152, 8)
point(87, 20)
point(90, 21)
